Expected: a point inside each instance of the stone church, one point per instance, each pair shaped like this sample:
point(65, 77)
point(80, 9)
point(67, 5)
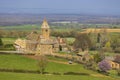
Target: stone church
point(41, 43)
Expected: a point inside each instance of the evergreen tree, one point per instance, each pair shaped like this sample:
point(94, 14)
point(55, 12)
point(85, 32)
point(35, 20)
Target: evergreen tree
point(98, 38)
point(1, 43)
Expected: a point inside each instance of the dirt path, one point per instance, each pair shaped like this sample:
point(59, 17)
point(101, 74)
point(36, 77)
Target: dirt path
point(61, 62)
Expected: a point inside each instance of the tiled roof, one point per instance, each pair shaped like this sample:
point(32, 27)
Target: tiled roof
point(48, 41)
point(33, 36)
point(21, 43)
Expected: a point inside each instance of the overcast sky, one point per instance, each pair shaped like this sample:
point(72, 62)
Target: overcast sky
point(61, 6)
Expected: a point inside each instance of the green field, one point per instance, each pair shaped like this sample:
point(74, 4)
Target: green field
point(21, 27)
point(17, 62)
point(8, 44)
point(21, 62)
point(30, 27)
point(8, 40)
point(20, 76)
point(12, 40)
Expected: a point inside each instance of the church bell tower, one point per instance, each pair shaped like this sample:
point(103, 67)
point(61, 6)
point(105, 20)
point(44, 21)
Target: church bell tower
point(45, 29)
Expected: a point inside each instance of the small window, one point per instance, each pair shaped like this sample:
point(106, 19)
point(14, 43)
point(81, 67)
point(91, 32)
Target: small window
point(112, 65)
point(46, 30)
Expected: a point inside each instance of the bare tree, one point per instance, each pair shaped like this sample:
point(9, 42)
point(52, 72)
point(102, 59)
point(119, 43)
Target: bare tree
point(42, 63)
point(82, 41)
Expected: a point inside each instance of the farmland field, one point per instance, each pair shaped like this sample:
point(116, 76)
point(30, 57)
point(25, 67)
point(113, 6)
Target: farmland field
point(98, 30)
point(21, 27)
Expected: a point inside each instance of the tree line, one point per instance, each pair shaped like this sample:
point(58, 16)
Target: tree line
point(93, 41)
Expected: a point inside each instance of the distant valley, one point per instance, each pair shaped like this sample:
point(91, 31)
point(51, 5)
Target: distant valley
point(21, 19)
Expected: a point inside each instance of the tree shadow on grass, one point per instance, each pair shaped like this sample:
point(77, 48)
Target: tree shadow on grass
point(76, 73)
point(46, 73)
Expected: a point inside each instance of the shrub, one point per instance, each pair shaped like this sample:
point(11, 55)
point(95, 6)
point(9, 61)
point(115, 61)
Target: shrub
point(8, 45)
point(1, 43)
point(99, 56)
point(75, 73)
point(107, 49)
point(117, 50)
point(56, 73)
point(108, 45)
point(90, 65)
point(118, 72)
point(117, 58)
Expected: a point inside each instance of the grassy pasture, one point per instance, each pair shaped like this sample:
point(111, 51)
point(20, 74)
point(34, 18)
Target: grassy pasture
point(22, 62)
point(17, 62)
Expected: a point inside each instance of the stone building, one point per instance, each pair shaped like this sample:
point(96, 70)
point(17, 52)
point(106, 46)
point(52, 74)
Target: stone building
point(41, 43)
point(114, 62)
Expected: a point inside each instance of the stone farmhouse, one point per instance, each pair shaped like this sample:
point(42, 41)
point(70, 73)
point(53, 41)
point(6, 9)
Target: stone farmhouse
point(115, 63)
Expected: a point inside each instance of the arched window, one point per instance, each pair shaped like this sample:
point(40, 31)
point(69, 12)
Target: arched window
point(60, 47)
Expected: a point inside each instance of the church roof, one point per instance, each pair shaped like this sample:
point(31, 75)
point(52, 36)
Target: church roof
point(21, 43)
point(48, 41)
point(33, 36)
point(45, 24)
